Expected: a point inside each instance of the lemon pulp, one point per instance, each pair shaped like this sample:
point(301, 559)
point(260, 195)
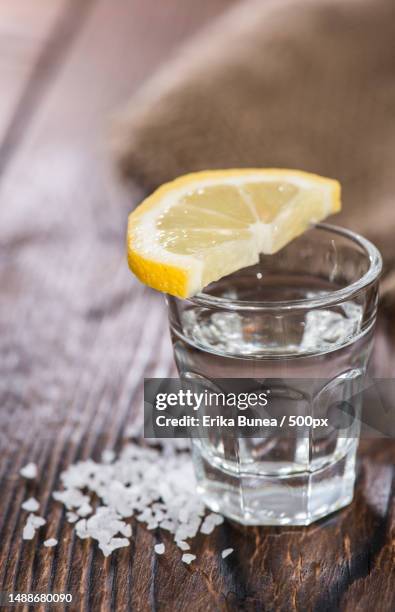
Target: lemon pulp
point(205, 225)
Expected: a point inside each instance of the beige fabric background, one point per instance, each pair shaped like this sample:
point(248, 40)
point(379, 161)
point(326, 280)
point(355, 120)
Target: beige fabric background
point(304, 84)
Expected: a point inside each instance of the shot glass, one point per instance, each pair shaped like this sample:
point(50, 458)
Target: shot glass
point(306, 313)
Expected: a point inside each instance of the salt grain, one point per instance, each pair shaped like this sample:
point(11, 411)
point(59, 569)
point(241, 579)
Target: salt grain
point(33, 522)
point(29, 471)
point(36, 521)
point(81, 529)
point(225, 553)
point(71, 498)
point(108, 456)
point(28, 531)
point(119, 543)
point(210, 522)
point(188, 558)
point(72, 517)
point(85, 509)
point(159, 549)
point(168, 525)
point(113, 544)
point(50, 542)
point(126, 530)
point(31, 505)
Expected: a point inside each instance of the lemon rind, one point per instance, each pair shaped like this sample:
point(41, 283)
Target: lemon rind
point(181, 275)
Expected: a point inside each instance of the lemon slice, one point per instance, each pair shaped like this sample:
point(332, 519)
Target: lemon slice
point(203, 226)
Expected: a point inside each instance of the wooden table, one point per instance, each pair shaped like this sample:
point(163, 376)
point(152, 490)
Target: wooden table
point(74, 351)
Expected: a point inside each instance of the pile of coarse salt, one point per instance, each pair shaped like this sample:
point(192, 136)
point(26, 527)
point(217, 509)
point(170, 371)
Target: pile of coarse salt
point(157, 488)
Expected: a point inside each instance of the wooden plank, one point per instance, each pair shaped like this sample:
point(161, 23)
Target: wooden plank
point(73, 344)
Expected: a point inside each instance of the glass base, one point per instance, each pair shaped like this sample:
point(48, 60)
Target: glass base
point(292, 499)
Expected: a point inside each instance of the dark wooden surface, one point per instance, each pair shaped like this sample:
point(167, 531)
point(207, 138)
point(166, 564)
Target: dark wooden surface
point(74, 351)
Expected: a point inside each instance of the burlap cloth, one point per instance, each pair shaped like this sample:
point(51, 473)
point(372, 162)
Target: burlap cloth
point(306, 84)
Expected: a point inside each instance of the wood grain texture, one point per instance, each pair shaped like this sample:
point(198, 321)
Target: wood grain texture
point(78, 334)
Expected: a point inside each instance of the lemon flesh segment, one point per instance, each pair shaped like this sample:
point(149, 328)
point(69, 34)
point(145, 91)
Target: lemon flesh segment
point(203, 226)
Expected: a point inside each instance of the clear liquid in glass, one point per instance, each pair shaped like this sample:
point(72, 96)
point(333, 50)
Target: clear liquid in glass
point(277, 480)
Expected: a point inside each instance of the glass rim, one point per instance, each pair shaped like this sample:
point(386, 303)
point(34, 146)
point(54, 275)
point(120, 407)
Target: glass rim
point(328, 299)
